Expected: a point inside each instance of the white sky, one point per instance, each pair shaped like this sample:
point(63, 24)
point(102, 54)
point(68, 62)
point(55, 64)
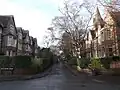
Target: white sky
point(32, 15)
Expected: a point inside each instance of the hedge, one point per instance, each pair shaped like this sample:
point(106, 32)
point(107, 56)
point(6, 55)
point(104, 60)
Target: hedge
point(84, 62)
point(72, 61)
point(37, 65)
point(108, 60)
point(47, 62)
point(96, 63)
point(5, 61)
point(22, 61)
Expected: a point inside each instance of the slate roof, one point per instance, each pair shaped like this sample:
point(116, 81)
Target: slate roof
point(115, 16)
point(35, 39)
point(31, 39)
point(5, 19)
point(98, 19)
point(25, 33)
point(19, 29)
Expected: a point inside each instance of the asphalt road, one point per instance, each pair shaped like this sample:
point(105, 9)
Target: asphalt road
point(60, 79)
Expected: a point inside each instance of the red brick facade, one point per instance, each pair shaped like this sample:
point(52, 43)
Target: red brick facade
point(104, 38)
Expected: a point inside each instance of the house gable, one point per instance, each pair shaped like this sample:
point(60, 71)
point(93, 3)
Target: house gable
point(98, 20)
point(11, 26)
point(109, 18)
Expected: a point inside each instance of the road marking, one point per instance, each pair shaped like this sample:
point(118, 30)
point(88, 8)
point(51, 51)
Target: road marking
point(99, 81)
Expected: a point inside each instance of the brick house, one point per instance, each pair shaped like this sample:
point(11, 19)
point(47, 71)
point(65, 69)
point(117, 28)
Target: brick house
point(26, 43)
point(104, 38)
point(35, 47)
point(19, 41)
point(31, 46)
point(15, 40)
point(8, 35)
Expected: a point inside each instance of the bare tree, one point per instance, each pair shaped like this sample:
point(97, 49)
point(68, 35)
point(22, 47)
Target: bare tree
point(74, 23)
point(111, 5)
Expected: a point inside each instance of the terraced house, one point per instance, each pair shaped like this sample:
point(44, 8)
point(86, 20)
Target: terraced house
point(104, 38)
point(19, 41)
point(15, 40)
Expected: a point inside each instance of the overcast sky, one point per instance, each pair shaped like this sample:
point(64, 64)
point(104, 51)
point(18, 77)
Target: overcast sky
point(32, 15)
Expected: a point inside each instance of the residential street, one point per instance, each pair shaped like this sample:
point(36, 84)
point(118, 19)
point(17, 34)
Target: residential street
point(60, 79)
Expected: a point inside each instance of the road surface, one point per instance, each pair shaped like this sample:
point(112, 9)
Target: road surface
point(60, 79)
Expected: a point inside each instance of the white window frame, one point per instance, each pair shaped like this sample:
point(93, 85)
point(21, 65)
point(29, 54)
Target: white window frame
point(19, 46)
point(14, 43)
point(20, 35)
point(10, 40)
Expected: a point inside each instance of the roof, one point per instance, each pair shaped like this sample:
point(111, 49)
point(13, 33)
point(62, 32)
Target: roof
point(115, 15)
point(5, 19)
point(31, 38)
point(98, 19)
point(19, 29)
point(25, 33)
point(5, 22)
point(35, 39)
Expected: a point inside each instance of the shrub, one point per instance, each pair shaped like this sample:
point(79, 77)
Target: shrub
point(116, 58)
point(37, 64)
point(22, 61)
point(5, 61)
point(72, 61)
point(84, 62)
point(46, 63)
point(96, 63)
point(106, 62)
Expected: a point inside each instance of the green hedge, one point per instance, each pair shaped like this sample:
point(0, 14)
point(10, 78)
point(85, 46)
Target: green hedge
point(108, 60)
point(37, 65)
point(47, 62)
point(84, 62)
point(22, 61)
point(5, 61)
point(72, 61)
point(96, 63)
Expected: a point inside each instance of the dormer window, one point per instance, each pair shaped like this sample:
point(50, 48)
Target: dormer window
point(20, 35)
point(11, 28)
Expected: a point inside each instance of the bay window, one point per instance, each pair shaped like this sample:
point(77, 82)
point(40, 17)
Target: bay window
point(10, 40)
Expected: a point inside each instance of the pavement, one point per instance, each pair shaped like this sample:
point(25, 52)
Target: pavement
point(60, 78)
point(106, 77)
point(25, 77)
